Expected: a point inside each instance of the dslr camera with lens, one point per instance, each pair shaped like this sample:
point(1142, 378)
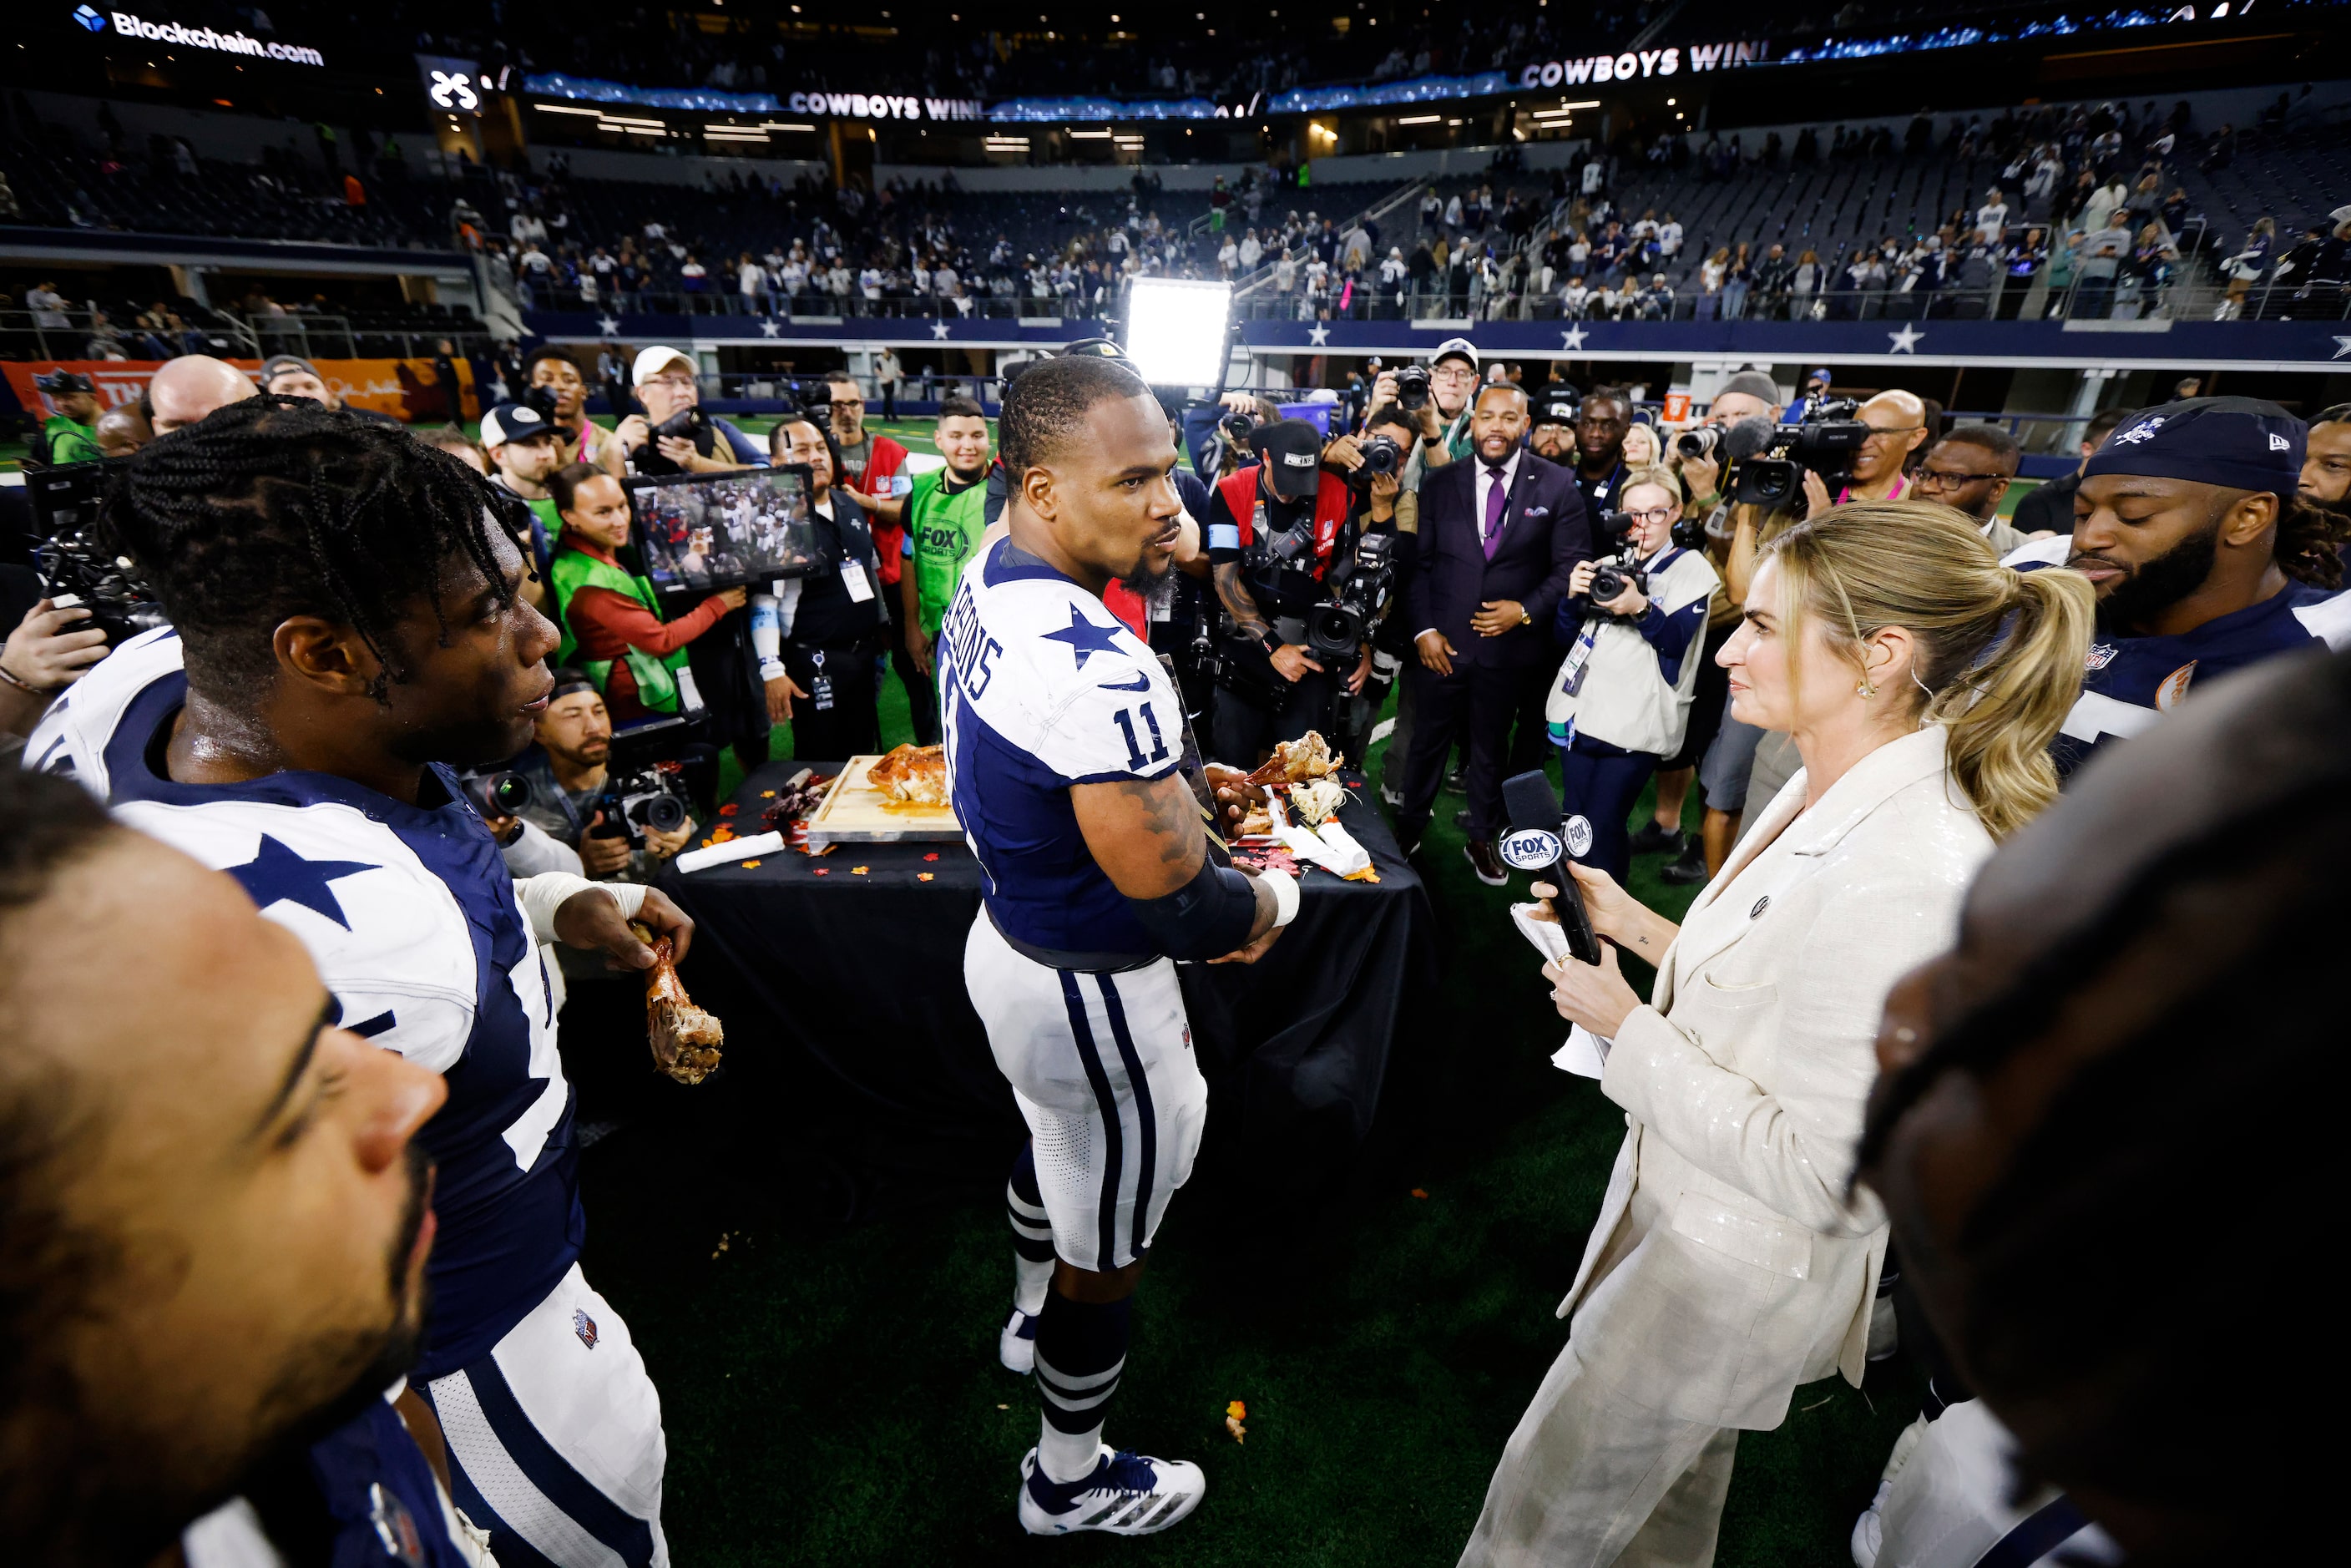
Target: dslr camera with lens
point(1825, 444)
point(1615, 572)
point(644, 781)
point(496, 793)
point(1412, 388)
point(1382, 455)
point(1338, 628)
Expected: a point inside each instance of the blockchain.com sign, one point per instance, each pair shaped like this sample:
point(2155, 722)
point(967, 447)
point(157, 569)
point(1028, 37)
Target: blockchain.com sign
point(140, 29)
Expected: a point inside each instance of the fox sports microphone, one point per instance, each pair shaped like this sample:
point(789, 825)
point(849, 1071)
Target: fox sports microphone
point(1534, 844)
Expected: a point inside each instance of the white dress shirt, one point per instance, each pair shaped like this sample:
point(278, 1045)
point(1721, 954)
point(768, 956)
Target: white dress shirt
point(1481, 490)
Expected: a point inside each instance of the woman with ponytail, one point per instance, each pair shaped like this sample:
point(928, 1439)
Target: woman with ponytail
point(1922, 681)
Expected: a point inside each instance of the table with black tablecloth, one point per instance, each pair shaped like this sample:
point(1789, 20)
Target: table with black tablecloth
point(839, 980)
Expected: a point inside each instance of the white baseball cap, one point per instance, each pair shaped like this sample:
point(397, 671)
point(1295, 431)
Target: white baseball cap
point(1453, 346)
point(652, 362)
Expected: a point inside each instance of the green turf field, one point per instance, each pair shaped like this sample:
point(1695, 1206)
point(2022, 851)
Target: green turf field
point(832, 1397)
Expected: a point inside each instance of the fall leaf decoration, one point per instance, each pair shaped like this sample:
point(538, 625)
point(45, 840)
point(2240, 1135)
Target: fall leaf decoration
point(1234, 1414)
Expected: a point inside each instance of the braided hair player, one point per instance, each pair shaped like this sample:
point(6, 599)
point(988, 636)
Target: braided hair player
point(345, 624)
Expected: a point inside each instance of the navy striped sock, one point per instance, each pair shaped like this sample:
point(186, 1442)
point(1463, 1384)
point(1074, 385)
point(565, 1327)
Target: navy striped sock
point(1081, 1352)
point(1032, 1235)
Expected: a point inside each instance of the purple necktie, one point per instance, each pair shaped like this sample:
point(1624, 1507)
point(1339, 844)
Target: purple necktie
point(1497, 499)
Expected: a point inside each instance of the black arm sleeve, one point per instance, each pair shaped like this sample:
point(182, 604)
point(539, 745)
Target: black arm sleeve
point(1207, 917)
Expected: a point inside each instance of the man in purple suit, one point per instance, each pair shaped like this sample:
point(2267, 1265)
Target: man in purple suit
point(1501, 534)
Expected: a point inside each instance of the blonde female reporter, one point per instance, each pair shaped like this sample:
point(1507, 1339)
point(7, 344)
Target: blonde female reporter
point(1922, 681)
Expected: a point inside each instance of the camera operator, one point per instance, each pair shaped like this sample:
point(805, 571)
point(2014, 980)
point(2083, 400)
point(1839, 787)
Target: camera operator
point(873, 466)
point(673, 435)
point(1897, 427)
point(68, 434)
point(1634, 627)
point(608, 616)
point(1274, 529)
point(558, 387)
point(567, 769)
point(815, 635)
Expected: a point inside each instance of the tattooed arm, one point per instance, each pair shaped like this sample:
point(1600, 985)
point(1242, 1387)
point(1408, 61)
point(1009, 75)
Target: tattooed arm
point(1249, 622)
point(1147, 837)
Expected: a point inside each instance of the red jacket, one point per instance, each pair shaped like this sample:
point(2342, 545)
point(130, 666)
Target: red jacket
point(1240, 491)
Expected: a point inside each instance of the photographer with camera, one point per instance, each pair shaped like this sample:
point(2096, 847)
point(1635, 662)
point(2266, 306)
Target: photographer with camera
point(1438, 398)
point(1274, 532)
point(1740, 422)
point(610, 618)
point(567, 769)
point(1897, 422)
point(70, 434)
point(815, 635)
point(1634, 625)
point(673, 435)
point(49, 650)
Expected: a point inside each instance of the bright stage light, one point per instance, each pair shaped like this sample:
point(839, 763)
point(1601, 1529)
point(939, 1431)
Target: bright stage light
point(1176, 330)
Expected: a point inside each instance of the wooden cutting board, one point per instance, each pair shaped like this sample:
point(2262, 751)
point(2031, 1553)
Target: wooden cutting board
point(857, 811)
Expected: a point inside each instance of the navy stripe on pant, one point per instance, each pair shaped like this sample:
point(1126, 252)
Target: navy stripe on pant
point(629, 1537)
point(1147, 1118)
point(1599, 782)
point(1112, 1132)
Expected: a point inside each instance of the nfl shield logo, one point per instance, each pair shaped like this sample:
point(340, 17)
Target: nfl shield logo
point(585, 1327)
point(2101, 656)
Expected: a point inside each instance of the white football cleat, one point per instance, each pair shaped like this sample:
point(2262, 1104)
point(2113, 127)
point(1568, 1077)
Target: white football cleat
point(1017, 1346)
point(1128, 1494)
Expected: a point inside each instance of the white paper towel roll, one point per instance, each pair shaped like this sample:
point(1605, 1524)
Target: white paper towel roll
point(732, 850)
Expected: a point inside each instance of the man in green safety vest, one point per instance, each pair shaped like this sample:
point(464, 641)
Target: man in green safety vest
point(67, 435)
point(947, 513)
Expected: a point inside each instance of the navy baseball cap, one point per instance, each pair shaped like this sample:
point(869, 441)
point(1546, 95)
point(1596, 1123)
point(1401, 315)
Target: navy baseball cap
point(1555, 407)
point(514, 422)
point(2238, 443)
point(1292, 451)
point(1820, 375)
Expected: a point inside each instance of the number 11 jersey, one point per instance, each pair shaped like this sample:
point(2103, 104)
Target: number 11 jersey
point(1040, 688)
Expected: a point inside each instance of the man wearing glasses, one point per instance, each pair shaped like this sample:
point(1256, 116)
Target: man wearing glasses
point(1898, 426)
point(673, 435)
point(1970, 469)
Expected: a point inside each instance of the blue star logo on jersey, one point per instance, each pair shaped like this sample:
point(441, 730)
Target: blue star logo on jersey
point(1084, 638)
point(277, 873)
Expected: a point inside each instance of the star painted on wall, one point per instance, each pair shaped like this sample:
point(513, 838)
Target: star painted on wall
point(2341, 347)
point(608, 325)
point(939, 329)
point(1573, 338)
point(277, 875)
point(768, 329)
point(1318, 335)
point(1085, 639)
point(1906, 341)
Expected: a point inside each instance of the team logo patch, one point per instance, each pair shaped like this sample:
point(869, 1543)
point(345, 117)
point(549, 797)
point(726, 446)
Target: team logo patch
point(2280, 443)
point(1529, 849)
point(1579, 836)
point(2101, 656)
point(585, 1327)
point(395, 1527)
point(2139, 432)
point(2174, 687)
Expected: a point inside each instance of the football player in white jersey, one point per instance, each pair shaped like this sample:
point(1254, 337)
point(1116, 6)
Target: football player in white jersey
point(1063, 737)
point(345, 621)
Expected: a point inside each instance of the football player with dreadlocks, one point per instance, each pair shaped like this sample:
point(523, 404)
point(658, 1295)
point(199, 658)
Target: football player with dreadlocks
point(2205, 560)
point(345, 625)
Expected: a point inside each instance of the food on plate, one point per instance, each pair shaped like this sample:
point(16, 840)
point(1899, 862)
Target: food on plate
point(1317, 800)
point(915, 773)
point(1257, 823)
point(1296, 761)
point(686, 1039)
point(793, 804)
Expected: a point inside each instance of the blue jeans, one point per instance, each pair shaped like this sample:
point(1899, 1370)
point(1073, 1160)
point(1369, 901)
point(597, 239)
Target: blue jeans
point(1599, 783)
